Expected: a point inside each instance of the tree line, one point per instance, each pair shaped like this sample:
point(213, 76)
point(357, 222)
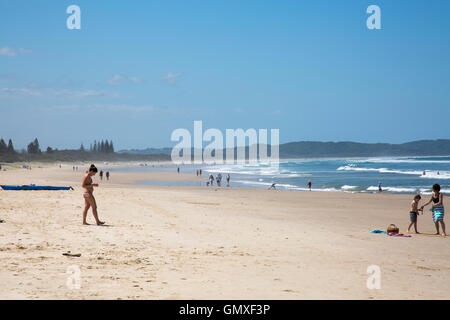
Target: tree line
point(6, 148)
point(103, 146)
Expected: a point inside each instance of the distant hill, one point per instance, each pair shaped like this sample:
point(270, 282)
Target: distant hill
point(314, 149)
point(307, 149)
point(166, 151)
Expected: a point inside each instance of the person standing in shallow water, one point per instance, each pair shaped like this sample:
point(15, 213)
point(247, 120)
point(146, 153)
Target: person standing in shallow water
point(89, 200)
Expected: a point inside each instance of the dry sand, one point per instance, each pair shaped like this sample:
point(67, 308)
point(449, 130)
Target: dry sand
point(210, 243)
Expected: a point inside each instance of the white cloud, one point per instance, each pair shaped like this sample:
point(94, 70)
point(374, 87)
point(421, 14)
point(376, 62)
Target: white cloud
point(11, 52)
point(276, 112)
point(51, 92)
point(115, 80)
point(171, 78)
point(131, 109)
point(135, 80)
point(127, 108)
point(7, 77)
point(19, 92)
point(24, 51)
point(118, 79)
point(8, 52)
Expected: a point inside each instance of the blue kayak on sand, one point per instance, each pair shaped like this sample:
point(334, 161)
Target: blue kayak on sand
point(33, 187)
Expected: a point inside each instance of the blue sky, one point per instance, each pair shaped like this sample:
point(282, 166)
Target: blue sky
point(137, 70)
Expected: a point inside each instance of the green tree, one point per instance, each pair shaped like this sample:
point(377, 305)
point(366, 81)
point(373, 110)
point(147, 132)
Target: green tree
point(10, 148)
point(33, 147)
point(3, 147)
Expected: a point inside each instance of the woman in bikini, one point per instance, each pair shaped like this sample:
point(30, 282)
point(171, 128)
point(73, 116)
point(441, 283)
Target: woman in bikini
point(89, 200)
point(437, 209)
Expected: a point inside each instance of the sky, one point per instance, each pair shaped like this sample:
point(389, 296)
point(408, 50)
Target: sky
point(137, 70)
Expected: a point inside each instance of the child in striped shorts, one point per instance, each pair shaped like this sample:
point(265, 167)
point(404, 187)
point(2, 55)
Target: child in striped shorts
point(437, 208)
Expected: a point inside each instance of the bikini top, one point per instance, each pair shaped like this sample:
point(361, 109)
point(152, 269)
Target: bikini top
point(436, 200)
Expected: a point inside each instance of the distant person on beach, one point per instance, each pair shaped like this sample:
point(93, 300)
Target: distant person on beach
point(107, 175)
point(414, 212)
point(272, 186)
point(380, 189)
point(309, 185)
point(219, 179)
point(178, 169)
point(228, 180)
point(101, 174)
point(89, 200)
point(200, 171)
point(211, 179)
point(437, 208)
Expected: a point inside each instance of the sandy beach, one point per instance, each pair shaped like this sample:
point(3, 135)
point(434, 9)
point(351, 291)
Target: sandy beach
point(210, 243)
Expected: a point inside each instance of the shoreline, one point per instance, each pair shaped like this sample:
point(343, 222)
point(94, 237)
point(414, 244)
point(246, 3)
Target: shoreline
point(139, 178)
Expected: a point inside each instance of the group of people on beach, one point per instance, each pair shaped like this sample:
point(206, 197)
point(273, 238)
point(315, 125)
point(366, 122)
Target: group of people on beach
point(210, 181)
point(106, 174)
point(437, 200)
point(437, 210)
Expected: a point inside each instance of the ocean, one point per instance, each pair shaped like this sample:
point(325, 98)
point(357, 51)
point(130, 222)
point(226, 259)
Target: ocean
point(396, 174)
